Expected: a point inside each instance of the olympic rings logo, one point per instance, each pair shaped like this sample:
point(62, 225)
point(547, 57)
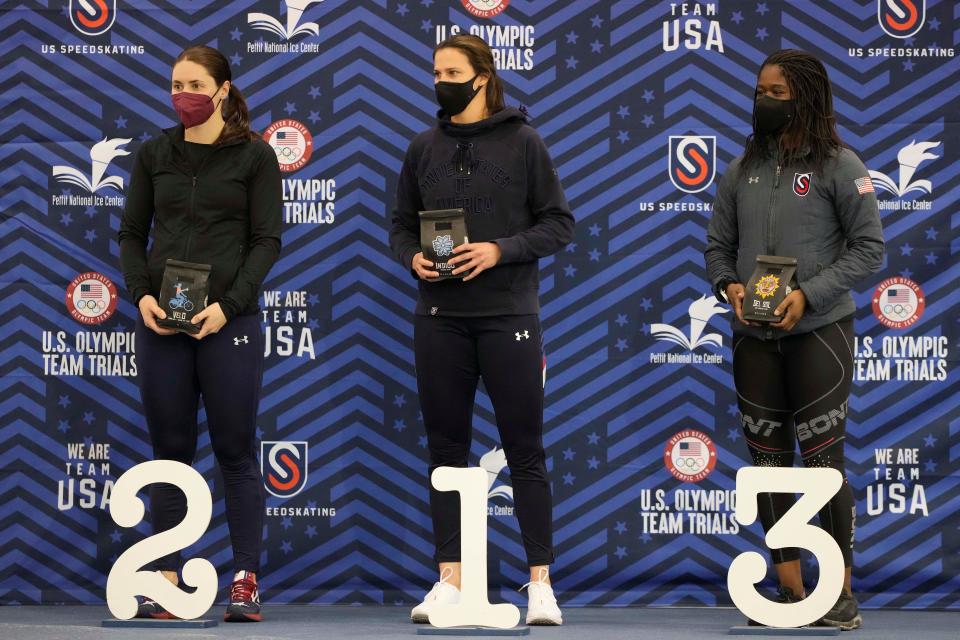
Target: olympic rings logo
point(690, 455)
point(898, 310)
point(289, 154)
point(94, 306)
point(692, 465)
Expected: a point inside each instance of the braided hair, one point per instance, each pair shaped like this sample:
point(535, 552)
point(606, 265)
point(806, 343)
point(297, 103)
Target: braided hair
point(814, 126)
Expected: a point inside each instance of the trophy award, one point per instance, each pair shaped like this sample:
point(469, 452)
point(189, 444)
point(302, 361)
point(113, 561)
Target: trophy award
point(183, 294)
point(440, 231)
point(770, 283)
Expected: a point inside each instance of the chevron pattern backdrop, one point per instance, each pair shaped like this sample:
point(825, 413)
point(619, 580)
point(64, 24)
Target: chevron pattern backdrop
point(607, 83)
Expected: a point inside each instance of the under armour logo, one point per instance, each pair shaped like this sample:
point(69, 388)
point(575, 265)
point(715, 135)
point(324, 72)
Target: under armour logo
point(753, 179)
point(525, 335)
point(239, 341)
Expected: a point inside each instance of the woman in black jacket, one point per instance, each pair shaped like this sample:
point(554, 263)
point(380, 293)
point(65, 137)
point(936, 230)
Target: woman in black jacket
point(485, 159)
point(209, 191)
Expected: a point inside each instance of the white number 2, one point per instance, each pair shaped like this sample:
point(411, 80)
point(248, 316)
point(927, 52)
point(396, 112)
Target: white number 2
point(817, 487)
point(473, 609)
point(126, 580)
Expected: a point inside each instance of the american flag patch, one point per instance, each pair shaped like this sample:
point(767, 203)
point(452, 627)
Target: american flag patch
point(864, 185)
point(288, 138)
point(690, 448)
point(92, 290)
point(898, 295)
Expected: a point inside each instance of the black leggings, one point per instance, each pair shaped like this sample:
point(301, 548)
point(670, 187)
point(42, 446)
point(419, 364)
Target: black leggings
point(452, 354)
point(226, 368)
point(798, 387)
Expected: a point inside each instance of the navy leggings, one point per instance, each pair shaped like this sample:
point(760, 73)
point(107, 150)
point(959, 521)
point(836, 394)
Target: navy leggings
point(452, 355)
point(225, 368)
point(794, 391)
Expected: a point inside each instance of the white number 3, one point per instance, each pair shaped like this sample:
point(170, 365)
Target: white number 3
point(126, 580)
point(817, 487)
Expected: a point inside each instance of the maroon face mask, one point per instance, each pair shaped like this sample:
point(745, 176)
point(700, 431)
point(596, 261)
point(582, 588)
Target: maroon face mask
point(193, 108)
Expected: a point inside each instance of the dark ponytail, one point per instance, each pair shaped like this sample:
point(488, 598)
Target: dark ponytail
point(236, 118)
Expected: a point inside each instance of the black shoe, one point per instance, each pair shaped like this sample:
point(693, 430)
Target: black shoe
point(151, 609)
point(845, 614)
point(784, 596)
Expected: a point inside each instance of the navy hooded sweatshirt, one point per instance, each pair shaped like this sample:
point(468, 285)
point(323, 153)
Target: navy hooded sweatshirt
point(499, 171)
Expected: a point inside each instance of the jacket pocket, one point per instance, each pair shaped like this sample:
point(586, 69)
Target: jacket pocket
point(238, 264)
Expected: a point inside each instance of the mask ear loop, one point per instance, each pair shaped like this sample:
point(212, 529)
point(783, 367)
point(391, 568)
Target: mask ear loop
point(223, 103)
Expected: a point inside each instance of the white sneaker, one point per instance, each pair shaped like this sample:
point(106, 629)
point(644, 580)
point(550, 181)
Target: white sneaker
point(542, 607)
point(442, 593)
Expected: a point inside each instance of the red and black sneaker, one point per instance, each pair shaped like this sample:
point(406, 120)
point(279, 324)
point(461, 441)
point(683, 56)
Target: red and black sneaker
point(244, 599)
point(151, 609)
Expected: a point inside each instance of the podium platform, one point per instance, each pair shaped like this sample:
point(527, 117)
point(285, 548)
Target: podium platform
point(308, 622)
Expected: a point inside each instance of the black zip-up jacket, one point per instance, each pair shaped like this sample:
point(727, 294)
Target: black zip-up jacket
point(228, 215)
point(499, 171)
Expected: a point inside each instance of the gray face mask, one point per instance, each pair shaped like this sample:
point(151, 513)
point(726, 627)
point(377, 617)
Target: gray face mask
point(453, 97)
point(772, 116)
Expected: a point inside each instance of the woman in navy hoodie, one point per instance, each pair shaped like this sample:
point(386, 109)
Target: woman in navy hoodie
point(484, 158)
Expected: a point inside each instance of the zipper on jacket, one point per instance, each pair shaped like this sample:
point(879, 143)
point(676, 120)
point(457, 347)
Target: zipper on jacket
point(193, 198)
point(770, 216)
point(770, 221)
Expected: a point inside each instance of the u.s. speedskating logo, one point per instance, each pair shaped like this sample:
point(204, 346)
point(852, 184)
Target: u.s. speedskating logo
point(92, 17)
point(692, 162)
point(901, 18)
point(284, 467)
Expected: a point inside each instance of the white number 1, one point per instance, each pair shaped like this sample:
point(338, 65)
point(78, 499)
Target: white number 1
point(126, 581)
point(473, 609)
point(817, 487)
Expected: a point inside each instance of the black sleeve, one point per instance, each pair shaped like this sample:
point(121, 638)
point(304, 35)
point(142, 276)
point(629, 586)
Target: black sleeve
point(554, 222)
point(265, 202)
point(135, 228)
point(404, 221)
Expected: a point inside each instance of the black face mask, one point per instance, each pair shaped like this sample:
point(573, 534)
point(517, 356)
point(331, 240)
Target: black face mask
point(771, 115)
point(453, 97)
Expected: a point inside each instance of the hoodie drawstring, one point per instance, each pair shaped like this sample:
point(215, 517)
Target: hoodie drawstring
point(464, 154)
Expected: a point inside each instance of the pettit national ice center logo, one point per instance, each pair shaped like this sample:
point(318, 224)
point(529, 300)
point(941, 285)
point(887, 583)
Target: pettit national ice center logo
point(101, 154)
point(700, 311)
point(295, 9)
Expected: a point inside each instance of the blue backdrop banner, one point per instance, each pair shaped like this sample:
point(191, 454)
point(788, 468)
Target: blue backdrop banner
point(642, 104)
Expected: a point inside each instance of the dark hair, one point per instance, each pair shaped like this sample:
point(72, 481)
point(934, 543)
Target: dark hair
point(481, 59)
point(814, 125)
point(236, 118)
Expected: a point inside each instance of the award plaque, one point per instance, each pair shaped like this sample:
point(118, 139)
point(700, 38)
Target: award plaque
point(770, 283)
point(440, 231)
point(183, 294)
